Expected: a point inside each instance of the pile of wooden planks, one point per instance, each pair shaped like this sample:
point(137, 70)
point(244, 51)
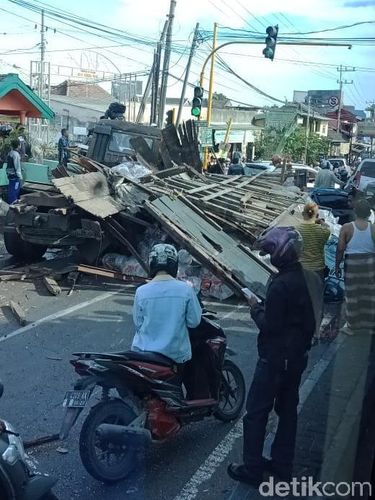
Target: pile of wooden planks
point(246, 205)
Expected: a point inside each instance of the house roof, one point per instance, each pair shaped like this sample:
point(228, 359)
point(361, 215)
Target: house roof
point(13, 83)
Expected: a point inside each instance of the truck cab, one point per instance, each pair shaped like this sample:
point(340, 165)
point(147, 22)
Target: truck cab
point(44, 218)
point(115, 141)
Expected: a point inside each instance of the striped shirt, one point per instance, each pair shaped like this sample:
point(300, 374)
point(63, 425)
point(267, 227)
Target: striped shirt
point(314, 238)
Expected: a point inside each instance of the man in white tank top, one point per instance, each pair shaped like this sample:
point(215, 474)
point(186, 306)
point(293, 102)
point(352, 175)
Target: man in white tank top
point(357, 244)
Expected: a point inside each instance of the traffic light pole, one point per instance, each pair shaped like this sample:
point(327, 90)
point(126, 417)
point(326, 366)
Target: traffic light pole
point(258, 42)
point(186, 79)
point(211, 84)
point(210, 93)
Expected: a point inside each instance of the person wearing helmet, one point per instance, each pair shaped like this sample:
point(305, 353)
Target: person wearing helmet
point(286, 325)
point(165, 308)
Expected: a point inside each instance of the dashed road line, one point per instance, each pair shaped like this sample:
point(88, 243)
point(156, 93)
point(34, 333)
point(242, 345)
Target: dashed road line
point(59, 314)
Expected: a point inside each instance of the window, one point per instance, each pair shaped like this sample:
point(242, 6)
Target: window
point(120, 142)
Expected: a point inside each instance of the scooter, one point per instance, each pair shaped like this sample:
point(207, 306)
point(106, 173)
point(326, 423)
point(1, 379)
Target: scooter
point(17, 480)
point(143, 399)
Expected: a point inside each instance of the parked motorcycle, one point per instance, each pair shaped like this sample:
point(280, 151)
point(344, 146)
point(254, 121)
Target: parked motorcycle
point(151, 404)
point(17, 480)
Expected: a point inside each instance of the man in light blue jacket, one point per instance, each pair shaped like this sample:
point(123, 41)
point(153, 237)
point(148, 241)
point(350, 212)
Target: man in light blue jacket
point(165, 308)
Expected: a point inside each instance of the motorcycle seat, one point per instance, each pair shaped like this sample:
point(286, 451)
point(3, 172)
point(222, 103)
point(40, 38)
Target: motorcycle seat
point(148, 356)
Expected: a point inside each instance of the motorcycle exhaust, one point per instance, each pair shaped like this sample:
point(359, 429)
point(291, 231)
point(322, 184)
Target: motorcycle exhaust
point(136, 437)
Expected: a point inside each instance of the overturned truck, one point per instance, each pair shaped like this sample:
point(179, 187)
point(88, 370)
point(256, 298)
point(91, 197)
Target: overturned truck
point(44, 218)
point(102, 209)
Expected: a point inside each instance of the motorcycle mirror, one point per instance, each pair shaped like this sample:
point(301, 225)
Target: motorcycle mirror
point(1, 389)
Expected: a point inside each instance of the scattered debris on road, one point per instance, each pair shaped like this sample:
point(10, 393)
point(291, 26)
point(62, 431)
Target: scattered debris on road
point(18, 312)
point(51, 285)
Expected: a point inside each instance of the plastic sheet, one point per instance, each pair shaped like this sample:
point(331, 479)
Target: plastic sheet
point(132, 170)
point(123, 264)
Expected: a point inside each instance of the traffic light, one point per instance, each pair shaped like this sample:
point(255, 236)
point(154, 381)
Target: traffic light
point(196, 107)
point(269, 51)
point(170, 117)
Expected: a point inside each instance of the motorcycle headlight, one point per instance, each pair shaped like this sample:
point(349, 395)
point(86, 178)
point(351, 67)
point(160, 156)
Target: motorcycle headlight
point(15, 450)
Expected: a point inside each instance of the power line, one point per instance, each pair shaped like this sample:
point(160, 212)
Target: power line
point(337, 28)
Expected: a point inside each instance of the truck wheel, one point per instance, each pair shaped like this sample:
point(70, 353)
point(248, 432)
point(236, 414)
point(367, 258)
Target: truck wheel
point(16, 246)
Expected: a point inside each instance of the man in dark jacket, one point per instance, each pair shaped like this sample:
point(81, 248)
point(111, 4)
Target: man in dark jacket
point(286, 325)
point(236, 167)
point(63, 147)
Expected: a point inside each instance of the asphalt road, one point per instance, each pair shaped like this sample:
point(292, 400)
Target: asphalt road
point(36, 373)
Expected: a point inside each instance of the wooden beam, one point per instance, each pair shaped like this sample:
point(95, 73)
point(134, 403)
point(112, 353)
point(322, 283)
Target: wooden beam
point(18, 312)
point(51, 285)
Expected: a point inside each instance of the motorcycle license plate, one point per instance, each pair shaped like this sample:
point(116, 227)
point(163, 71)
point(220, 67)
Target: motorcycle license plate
point(76, 399)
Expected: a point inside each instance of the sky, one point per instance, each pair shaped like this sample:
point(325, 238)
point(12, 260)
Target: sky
point(290, 70)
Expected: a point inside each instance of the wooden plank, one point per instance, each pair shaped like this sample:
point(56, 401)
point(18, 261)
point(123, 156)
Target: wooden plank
point(51, 285)
point(119, 232)
point(226, 191)
point(90, 192)
point(107, 273)
point(206, 187)
point(217, 247)
point(18, 312)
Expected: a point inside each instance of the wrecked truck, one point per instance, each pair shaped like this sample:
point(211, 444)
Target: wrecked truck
point(43, 218)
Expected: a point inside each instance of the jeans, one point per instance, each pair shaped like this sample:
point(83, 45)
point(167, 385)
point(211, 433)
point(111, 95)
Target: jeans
point(275, 385)
point(14, 188)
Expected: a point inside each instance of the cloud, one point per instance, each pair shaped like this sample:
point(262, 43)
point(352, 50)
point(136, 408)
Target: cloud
point(360, 3)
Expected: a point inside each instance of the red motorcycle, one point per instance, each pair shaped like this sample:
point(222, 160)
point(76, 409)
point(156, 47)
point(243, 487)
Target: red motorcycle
point(145, 397)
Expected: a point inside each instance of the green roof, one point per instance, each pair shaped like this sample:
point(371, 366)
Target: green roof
point(12, 81)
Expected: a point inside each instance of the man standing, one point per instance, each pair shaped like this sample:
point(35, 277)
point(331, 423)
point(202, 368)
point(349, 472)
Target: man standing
point(325, 178)
point(14, 172)
point(357, 243)
point(287, 323)
point(63, 147)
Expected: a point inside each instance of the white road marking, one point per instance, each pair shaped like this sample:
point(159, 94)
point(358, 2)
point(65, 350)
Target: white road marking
point(58, 315)
point(190, 490)
point(234, 311)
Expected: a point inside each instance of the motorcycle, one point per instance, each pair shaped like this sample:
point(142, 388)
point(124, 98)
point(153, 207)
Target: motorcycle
point(17, 480)
point(151, 404)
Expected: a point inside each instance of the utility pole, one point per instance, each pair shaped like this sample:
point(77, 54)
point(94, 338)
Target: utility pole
point(307, 127)
point(167, 57)
point(186, 79)
point(156, 74)
point(42, 54)
point(342, 69)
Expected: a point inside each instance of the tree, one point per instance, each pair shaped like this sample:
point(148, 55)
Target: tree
point(220, 101)
point(267, 142)
point(296, 143)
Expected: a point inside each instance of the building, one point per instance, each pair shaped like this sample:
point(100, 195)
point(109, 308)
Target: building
point(18, 102)
point(291, 116)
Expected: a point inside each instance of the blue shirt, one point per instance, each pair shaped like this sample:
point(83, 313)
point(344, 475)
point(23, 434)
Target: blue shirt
point(163, 311)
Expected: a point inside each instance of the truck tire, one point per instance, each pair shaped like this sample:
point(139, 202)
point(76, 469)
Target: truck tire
point(16, 246)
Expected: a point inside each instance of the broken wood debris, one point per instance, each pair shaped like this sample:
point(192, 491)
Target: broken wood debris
point(106, 273)
point(51, 285)
point(18, 312)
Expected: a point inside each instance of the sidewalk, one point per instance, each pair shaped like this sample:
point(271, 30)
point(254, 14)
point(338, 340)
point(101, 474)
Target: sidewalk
point(329, 426)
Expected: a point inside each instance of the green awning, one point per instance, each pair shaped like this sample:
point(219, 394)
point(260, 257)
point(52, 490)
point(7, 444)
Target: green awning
point(12, 81)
